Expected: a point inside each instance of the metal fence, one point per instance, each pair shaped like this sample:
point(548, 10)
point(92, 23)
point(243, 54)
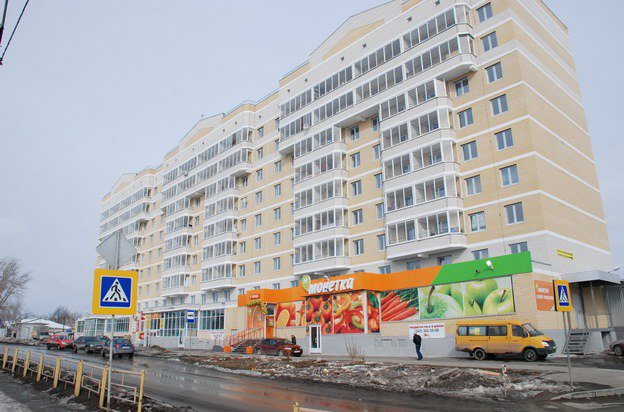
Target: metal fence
point(79, 376)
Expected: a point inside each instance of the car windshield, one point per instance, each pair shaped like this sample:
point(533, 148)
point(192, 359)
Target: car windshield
point(283, 342)
point(61, 337)
point(122, 341)
point(92, 340)
point(532, 331)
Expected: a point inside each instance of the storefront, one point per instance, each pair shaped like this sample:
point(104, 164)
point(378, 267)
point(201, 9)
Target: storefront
point(378, 313)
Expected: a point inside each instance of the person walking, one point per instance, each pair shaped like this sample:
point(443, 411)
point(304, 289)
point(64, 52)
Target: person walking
point(293, 339)
point(417, 341)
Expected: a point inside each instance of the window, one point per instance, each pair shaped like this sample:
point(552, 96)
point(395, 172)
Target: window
point(377, 151)
point(257, 268)
point(258, 243)
point(497, 330)
point(473, 185)
point(358, 217)
point(242, 247)
point(494, 72)
point(514, 212)
point(384, 270)
point(519, 247)
point(484, 12)
point(294, 283)
point(354, 133)
point(490, 41)
point(276, 143)
point(258, 175)
point(375, 124)
point(518, 331)
point(356, 160)
point(379, 208)
point(413, 265)
point(509, 175)
point(461, 87)
point(378, 181)
point(278, 166)
point(259, 197)
point(444, 260)
point(381, 242)
point(241, 272)
point(477, 221)
point(470, 151)
point(504, 139)
point(277, 213)
point(356, 188)
point(244, 181)
point(261, 132)
point(211, 319)
point(480, 254)
point(277, 238)
point(358, 247)
point(243, 225)
point(499, 105)
point(258, 219)
point(277, 265)
point(277, 190)
point(260, 153)
point(465, 118)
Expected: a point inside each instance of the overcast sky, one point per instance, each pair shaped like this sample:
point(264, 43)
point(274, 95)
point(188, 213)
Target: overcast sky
point(93, 89)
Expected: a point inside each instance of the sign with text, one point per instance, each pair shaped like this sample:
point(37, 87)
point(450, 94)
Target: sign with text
point(428, 330)
point(544, 295)
point(563, 299)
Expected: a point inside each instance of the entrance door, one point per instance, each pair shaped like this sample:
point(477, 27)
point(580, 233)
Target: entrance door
point(315, 338)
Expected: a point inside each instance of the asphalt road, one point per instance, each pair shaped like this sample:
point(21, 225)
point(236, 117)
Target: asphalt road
point(206, 389)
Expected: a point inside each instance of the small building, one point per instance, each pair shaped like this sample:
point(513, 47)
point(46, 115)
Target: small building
point(36, 329)
point(100, 325)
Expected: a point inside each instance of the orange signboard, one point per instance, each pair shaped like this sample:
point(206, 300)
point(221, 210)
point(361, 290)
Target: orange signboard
point(544, 295)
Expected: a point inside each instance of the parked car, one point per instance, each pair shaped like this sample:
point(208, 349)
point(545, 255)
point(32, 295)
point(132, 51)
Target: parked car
point(121, 347)
point(280, 347)
point(59, 342)
point(88, 344)
point(484, 338)
point(617, 347)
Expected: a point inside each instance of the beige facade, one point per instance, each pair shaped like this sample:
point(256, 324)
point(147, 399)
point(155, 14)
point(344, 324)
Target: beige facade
point(399, 144)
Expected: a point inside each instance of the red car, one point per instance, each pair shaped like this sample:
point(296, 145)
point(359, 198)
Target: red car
point(60, 342)
point(279, 347)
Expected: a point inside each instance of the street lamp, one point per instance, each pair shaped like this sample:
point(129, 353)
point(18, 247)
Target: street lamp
point(615, 269)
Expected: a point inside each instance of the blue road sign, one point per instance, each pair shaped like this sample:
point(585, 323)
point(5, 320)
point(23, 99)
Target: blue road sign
point(115, 292)
point(563, 295)
point(190, 316)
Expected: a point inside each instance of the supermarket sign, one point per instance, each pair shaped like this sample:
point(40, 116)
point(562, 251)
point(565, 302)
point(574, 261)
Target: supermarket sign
point(330, 286)
point(428, 330)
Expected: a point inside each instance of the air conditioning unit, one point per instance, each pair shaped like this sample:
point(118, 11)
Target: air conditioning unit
point(306, 126)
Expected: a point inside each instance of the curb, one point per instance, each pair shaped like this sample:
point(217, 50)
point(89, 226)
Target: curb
point(591, 394)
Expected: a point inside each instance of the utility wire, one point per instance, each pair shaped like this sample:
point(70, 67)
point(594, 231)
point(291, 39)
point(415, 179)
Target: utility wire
point(13, 32)
point(6, 6)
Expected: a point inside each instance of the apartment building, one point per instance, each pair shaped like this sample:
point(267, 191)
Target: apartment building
point(420, 133)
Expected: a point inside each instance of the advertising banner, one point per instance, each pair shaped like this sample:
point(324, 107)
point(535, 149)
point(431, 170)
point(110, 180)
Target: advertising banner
point(289, 314)
point(318, 311)
point(373, 311)
point(348, 313)
point(428, 330)
point(544, 295)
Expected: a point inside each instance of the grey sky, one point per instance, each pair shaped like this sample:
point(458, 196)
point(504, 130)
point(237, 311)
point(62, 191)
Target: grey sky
point(93, 89)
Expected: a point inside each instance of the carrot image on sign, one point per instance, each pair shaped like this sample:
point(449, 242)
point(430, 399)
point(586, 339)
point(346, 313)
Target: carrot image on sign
point(399, 305)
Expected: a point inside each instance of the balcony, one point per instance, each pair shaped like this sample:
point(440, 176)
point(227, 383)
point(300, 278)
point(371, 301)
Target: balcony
point(321, 151)
point(218, 284)
point(416, 142)
point(437, 244)
point(175, 291)
point(219, 260)
point(222, 237)
point(425, 173)
point(316, 236)
point(177, 251)
point(426, 208)
point(322, 265)
point(324, 177)
point(332, 203)
point(241, 169)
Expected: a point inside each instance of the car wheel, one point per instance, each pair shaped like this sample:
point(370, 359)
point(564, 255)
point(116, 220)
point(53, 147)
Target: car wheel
point(131, 355)
point(280, 353)
point(618, 350)
point(259, 351)
point(479, 354)
point(76, 350)
point(530, 355)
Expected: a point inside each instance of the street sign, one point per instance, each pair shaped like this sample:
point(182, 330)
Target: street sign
point(116, 250)
point(190, 316)
point(563, 301)
point(114, 292)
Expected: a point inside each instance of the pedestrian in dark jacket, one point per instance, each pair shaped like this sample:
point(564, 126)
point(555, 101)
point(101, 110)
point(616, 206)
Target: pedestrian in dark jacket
point(293, 339)
point(417, 341)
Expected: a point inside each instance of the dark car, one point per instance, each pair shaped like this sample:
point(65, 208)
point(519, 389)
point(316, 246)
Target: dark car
point(88, 344)
point(280, 347)
point(617, 347)
point(121, 347)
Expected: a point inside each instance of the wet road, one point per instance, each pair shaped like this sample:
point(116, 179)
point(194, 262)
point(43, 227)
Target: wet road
point(206, 389)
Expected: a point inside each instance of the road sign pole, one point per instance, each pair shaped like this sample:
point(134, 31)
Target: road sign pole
point(568, 345)
point(110, 354)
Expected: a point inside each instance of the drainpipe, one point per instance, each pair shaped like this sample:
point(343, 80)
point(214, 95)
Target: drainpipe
point(591, 289)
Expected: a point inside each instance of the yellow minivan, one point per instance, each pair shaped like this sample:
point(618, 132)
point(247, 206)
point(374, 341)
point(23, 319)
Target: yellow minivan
point(490, 337)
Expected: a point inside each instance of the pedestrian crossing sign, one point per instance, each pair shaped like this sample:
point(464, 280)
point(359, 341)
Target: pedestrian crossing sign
point(563, 300)
point(114, 292)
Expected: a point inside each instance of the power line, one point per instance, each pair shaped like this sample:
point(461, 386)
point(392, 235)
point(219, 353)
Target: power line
point(14, 28)
point(6, 6)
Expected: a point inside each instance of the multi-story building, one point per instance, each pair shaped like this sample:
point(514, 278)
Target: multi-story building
point(419, 133)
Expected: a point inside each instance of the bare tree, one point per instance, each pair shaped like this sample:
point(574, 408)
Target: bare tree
point(63, 316)
point(13, 282)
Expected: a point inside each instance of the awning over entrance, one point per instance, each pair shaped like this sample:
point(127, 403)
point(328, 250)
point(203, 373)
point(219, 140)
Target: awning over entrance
point(592, 275)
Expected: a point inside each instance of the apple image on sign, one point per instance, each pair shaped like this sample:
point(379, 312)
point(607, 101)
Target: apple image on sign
point(439, 306)
point(479, 290)
point(499, 302)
